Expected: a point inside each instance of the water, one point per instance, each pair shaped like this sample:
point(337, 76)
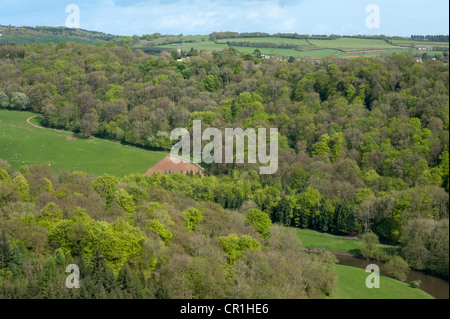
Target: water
point(435, 286)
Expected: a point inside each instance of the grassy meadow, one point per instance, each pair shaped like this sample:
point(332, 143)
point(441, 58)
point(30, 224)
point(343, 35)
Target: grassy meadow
point(315, 240)
point(351, 284)
point(22, 144)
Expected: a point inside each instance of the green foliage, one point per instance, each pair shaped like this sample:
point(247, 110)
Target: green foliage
point(397, 268)
point(344, 218)
point(120, 259)
point(235, 246)
point(322, 148)
point(117, 241)
point(124, 200)
point(425, 251)
point(370, 246)
point(211, 83)
point(282, 212)
point(379, 128)
point(298, 178)
point(19, 101)
point(205, 117)
point(305, 85)
point(49, 273)
point(50, 215)
point(246, 100)
point(192, 217)
point(4, 176)
point(306, 206)
point(157, 227)
point(443, 166)
point(4, 100)
point(106, 186)
point(22, 186)
point(115, 93)
point(5, 250)
point(336, 144)
point(260, 221)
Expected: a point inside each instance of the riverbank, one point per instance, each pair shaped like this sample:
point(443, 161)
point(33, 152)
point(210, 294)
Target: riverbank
point(347, 250)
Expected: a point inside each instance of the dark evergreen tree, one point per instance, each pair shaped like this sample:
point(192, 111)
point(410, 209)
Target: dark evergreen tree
point(5, 250)
point(344, 218)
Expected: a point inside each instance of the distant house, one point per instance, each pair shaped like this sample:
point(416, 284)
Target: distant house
point(421, 48)
point(418, 60)
point(0, 34)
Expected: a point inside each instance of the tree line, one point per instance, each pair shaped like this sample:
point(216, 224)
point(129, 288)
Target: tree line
point(430, 38)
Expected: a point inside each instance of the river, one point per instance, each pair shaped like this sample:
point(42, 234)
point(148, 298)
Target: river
point(435, 286)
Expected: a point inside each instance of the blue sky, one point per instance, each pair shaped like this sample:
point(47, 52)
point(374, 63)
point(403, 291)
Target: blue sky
point(344, 17)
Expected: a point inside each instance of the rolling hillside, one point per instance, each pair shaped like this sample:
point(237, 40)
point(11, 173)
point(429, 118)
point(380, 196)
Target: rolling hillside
point(44, 34)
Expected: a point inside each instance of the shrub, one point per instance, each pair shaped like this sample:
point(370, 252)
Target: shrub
point(397, 268)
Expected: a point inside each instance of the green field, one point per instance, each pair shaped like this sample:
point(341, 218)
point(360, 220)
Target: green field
point(301, 42)
point(351, 284)
point(425, 43)
point(206, 46)
point(22, 144)
point(342, 47)
point(321, 241)
point(348, 44)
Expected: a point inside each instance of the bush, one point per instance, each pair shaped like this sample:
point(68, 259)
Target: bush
point(369, 245)
point(397, 268)
point(415, 284)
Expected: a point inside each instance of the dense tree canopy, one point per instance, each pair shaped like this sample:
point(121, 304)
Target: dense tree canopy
point(167, 246)
point(364, 143)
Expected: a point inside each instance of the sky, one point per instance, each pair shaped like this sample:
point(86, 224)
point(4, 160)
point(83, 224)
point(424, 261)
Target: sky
point(191, 17)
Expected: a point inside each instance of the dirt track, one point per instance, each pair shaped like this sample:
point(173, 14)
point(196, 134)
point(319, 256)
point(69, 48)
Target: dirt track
point(29, 122)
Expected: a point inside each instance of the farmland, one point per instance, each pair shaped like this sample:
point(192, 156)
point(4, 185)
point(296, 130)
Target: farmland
point(298, 48)
point(22, 144)
point(351, 285)
point(363, 148)
point(286, 45)
point(321, 241)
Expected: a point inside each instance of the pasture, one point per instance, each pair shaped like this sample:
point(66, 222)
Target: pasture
point(351, 284)
point(314, 48)
point(21, 144)
point(315, 240)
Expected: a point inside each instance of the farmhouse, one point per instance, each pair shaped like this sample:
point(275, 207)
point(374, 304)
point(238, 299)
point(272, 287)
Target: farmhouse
point(421, 48)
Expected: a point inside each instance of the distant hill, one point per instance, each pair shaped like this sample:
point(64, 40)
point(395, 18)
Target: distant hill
point(294, 45)
point(280, 45)
point(44, 34)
